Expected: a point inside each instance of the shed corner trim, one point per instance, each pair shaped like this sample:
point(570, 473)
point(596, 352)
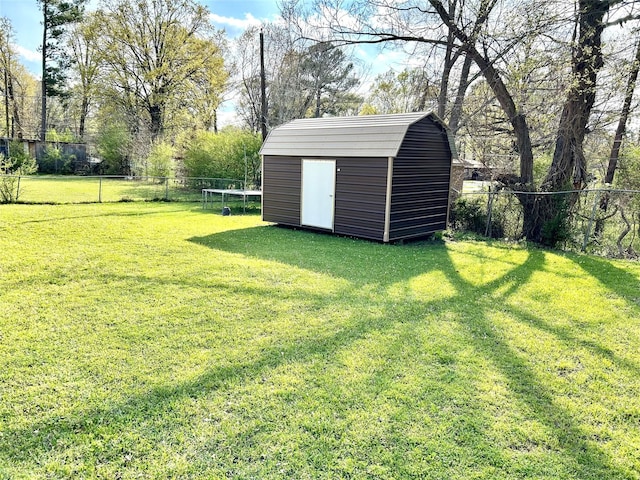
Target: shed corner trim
point(387, 207)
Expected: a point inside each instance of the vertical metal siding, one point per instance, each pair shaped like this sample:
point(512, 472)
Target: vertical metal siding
point(281, 187)
point(421, 176)
point(419, 193)
point(361, 187)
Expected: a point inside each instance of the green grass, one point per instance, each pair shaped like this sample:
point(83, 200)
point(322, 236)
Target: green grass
point(158, 340)
point(80, 189)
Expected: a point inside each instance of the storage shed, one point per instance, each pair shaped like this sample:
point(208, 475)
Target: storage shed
point(380, 177)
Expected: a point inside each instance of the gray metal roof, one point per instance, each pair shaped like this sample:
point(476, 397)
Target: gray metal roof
point(363, 136)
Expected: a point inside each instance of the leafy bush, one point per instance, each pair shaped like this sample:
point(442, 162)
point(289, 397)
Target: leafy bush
point(468, 215)
point(231, 153)
point(160, 160)
point(18, 163)
point(113, 145)
point(23, 163)
point(557, 229)
point(66, 136)
point(628, 175)
point(54, 161)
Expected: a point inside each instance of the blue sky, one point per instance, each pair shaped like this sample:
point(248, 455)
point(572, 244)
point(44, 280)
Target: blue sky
point(234, 16)
point(25, 16)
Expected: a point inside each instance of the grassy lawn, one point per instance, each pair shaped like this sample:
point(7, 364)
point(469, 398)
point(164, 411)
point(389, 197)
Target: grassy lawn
point(80, 189)
point(158, 340)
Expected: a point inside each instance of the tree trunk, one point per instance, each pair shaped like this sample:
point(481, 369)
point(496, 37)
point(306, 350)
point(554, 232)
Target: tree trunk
point(17, 122)
point(6, 100)
point(157, 121)
point(43, 112)
point(619, 136)
point(446, 73)
point(84, 112)
point(456, 111)
point(318, 95)
point(568, 167)
point(624, 232)
point(491, 75)
point(624, 115)
point(516, 118)
point(545, 217)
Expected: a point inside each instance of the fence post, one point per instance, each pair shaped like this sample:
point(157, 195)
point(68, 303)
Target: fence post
point(100, 190)
point(487, 231)
point(166, 188)
point(587, 234)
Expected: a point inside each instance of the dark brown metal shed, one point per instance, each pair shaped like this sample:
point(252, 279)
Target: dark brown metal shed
point(380, 177)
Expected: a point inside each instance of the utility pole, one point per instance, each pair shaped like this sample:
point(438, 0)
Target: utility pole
point(6, 99)
point(43, 111)
point(6, 64)
point(263, 90)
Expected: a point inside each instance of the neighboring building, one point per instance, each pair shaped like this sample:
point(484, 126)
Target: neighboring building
point(75, 154)
point(380, 177)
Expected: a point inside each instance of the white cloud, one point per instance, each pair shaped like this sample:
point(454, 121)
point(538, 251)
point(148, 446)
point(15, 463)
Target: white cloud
point(322, 24)
point(27, 54)
point(390, 57)
point(228, 118)
point(239, 23)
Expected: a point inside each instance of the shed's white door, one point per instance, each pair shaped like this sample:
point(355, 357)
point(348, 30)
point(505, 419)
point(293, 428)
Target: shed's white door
point(318, 190)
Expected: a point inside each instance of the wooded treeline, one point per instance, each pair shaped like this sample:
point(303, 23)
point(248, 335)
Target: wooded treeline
point(539, 82)
point(539, 91)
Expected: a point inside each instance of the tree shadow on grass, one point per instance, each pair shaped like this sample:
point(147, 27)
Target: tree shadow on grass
point(357, 261)
point(589, 459)
point(43, 435)
point(103, 214)
point(617, 280)
point(361, 264)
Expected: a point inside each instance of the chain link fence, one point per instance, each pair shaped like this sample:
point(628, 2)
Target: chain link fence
point(93, 189)
point(599, 221)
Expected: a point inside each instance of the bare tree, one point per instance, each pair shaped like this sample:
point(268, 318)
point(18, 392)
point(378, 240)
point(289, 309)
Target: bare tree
point(301, 81)
point(282, 75)
point(410, 90)
point(476, 29)
point(85, 47)
point(624, 117)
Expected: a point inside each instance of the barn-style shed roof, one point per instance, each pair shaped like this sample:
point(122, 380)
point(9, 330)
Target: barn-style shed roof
point(362, 136)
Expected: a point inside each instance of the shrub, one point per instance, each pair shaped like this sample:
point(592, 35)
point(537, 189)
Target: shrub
point(628, 175)
point(468, 215)
point(23, 163)
point(54, 161)
point(557, 230)
point(229, 154)
point(66, 136)
point(160, 160)
point(11, 168)
point(113, 145)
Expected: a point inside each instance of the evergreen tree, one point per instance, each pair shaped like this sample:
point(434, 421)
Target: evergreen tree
point(57, 15)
